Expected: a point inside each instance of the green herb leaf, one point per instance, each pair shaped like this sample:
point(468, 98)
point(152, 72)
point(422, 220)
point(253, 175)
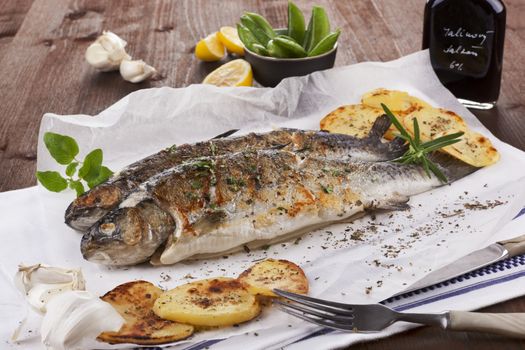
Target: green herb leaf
point(91, 167)
point(51, 180)
point(71, 168)
point(77, 186)
point(103, 175)
point(62, 148)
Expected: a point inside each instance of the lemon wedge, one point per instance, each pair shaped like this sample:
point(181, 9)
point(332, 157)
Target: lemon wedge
point(210, 48)
point(229, 38)
point(234, 73)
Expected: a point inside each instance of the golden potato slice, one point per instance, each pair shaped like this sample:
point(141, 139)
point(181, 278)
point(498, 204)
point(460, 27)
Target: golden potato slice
point(354, 120)
point(134, 302)
point(263, 277)
point(474, 149)
point(210, 302)
point(397, 101)
point(434, 121)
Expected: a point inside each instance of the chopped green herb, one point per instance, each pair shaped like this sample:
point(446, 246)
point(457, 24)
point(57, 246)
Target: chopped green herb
point(196, 184)
point(235, 184)
point(327, 189)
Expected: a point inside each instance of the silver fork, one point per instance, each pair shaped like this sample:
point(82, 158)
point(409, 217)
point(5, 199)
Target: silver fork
point(376, 317)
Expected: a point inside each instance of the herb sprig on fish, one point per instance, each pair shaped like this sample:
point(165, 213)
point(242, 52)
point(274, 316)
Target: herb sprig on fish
point(418, 151)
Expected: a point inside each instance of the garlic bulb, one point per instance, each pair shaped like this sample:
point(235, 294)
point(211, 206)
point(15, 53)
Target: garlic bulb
point(40, 283)
point(136, 71)
point(74, 319)
point(106, 53)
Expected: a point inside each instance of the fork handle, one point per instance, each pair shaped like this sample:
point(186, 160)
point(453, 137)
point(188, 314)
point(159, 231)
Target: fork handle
point(507, 324)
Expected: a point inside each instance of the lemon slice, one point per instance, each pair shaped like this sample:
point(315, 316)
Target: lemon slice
point(229, 38)
point(210, 48)
point(234, 73)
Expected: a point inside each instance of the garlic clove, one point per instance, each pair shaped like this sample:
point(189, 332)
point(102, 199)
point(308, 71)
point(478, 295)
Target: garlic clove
point(136, 71)
point(39, 296)
point(74, 319)
point(39, 283)
point(106, 53)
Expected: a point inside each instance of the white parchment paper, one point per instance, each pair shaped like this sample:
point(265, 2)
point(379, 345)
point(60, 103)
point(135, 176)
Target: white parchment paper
point(362, 262)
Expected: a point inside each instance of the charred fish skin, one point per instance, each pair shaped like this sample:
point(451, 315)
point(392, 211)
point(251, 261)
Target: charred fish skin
point(94, 204)
point(85, 210)
point(218, 203)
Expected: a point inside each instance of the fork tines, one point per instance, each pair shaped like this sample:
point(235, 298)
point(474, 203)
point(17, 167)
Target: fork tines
point(322, 312)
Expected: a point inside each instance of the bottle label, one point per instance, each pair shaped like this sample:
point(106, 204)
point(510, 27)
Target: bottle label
point(462, 39)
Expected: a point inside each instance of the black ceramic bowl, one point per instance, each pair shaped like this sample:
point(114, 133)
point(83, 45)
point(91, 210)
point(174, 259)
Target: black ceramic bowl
point(269, 71)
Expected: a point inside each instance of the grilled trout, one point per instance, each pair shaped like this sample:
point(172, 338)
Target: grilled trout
point(84, 211)
point(214, 204)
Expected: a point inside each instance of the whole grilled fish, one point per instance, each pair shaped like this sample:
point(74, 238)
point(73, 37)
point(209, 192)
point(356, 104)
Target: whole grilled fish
point(94, 204)
point(214, 204)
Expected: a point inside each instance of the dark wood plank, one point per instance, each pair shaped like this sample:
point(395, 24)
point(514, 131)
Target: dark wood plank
point(12, 13)
point(42, 46)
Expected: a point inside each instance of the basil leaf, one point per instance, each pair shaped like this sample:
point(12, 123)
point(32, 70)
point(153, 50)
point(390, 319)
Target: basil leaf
point(104, 174)
point(91, 167)
point(71, 168)
point(51, 180)
point(62, 148)
point(77, 186)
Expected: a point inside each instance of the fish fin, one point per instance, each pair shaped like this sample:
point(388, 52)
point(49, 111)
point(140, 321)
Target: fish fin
point(225, 134)
point(453, 168)
point(381, 125)
point(279, 146)
point(209, 221)
point(398, 202)
point(395, 148)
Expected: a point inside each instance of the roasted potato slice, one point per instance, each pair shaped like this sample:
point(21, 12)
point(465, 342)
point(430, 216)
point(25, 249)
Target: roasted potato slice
point(354, 120)
point(134, 302)
point(263, 277)
point(434, 121)
point(474, 149)
point(397, 101)
point(210, 302)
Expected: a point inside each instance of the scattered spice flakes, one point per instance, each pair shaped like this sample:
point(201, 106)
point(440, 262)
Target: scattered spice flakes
point(357, 235)
point(477, 205)
point(379, 283)
point(190, 277)
point(165, 277)
point(455, 212)
point(368, 290)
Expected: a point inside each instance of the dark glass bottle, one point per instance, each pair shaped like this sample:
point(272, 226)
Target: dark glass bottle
point(465, 39)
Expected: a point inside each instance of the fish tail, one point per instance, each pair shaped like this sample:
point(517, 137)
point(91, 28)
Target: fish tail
point(395, 148)
point(453, 168)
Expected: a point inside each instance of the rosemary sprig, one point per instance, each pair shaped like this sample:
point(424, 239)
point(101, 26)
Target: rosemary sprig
point(417, 151)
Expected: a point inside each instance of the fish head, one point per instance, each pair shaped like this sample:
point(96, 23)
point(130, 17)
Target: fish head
point(92, 205)
point(127, 236)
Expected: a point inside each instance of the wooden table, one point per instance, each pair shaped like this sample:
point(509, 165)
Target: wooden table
point(42, 69)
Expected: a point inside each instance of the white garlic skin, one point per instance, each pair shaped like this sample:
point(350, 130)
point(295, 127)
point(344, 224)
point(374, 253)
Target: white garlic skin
point(106, 53)
point(40, 283)
point(74, 319)
point(136, 71)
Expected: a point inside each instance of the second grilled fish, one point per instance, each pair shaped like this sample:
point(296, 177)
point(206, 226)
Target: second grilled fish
point(94, 204)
